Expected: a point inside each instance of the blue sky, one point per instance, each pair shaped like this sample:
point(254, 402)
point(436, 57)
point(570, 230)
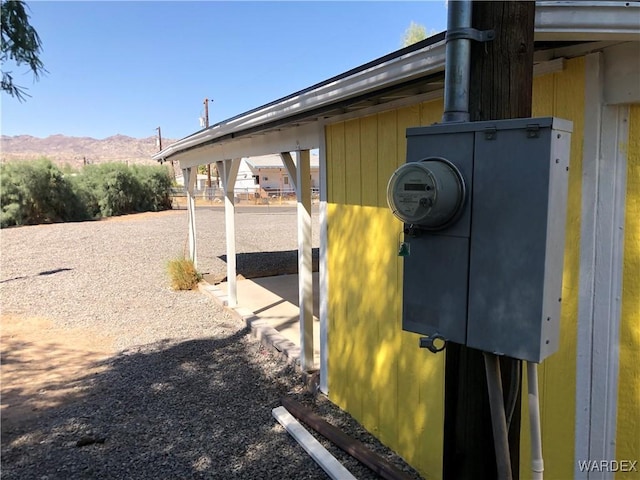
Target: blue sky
point(129, 67)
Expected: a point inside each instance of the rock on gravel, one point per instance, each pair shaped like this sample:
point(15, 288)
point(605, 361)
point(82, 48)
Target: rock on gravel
point(187, 392)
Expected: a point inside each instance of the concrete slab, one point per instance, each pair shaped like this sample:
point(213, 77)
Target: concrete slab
point(269, 306)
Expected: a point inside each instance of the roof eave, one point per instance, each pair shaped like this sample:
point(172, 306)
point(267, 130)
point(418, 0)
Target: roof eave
point(419, 62)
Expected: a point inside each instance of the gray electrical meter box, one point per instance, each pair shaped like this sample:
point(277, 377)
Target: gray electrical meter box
point(484, 208)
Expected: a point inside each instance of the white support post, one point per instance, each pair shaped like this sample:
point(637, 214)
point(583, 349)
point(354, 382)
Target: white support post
point(190, 175)
point(229, 169)
point(324, 276)
point(305, 267)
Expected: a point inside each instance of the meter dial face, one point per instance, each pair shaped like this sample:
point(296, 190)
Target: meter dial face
point(429, 193)
point(414, 192)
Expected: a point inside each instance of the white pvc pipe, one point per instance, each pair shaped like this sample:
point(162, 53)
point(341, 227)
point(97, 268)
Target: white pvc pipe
point(537, 464)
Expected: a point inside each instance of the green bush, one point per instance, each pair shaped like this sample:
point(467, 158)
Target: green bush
point(115, 189)
point(183, 274)
point(39, 192)
point(155, 185)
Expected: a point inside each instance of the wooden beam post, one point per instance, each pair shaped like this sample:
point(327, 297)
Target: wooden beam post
point(500, 87)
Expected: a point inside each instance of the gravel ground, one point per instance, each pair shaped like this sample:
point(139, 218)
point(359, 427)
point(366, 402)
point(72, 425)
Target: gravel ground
point(187, 393)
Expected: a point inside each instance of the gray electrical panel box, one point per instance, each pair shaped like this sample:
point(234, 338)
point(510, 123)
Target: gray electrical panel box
point(484, 206)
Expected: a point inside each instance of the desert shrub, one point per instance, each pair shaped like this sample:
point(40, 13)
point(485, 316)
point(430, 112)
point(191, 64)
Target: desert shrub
point(155, 188)
point(115, 189)
point(12, 194)
point(119, 190)
point(109, 189)
point(87, 193)
point(183, 274)
point(37, 192)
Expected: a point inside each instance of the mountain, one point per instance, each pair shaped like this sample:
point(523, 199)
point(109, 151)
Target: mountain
point(77, 151)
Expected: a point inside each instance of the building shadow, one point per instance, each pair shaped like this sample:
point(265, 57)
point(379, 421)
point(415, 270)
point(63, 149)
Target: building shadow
point(269, 264)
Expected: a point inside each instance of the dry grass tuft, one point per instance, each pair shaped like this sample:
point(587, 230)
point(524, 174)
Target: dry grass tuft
point(183, 274)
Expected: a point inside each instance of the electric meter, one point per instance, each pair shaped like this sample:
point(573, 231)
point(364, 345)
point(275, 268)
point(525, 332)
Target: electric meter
point(429, 193)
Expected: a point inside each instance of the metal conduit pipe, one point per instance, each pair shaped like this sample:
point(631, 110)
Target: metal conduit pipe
point(458, 64)
point(498, 421)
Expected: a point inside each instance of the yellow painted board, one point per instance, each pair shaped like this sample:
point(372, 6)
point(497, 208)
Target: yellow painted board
point(387, 152)
point(628, 418)
point(355, 317)
point(369, 160)
point(329, 163)
point(431, 414)
point(366, 363)
point(352, 161)
point(410, 362)
point(377, 291)
point(339, 350)
point(431, 112)
point(407, 117)
point(543, 95)
point(337, 161)
point(389, 340)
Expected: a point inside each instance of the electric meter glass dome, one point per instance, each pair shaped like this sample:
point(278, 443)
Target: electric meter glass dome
point(429, 193)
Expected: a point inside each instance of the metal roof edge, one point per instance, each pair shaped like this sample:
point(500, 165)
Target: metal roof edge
point(555, 20)
point(397, 53)
point(429, 57)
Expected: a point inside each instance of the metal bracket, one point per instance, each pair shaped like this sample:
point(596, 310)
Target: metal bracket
point(435, 343)
point(490, 133)
point(470, 34)
point(412, 231)
point(533, 130)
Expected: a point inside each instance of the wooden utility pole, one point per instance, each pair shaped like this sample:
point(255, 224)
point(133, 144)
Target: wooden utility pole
point(206, 113)
point(500, 87)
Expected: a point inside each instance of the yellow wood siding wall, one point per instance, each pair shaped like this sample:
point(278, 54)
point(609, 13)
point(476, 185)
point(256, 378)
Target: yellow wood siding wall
point(376, 371)
point(628, 428)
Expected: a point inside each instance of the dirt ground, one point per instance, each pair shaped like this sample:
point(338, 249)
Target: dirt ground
point(40, 364)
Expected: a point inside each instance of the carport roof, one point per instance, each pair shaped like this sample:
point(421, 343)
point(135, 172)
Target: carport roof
point(290, 123)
